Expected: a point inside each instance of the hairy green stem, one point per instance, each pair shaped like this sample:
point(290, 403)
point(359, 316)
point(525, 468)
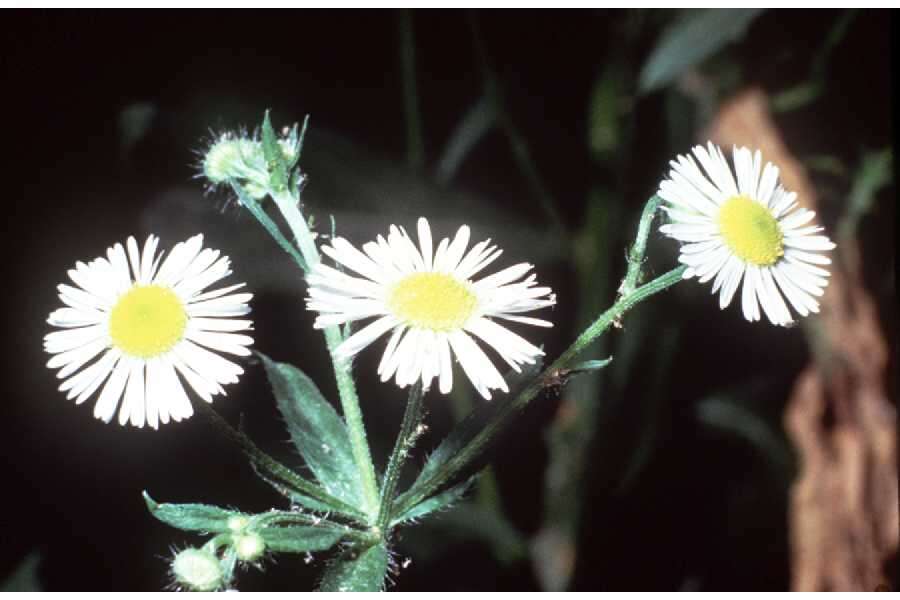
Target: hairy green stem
point(499, 420)
point(359, 444)
point(636, 254)
point(409, 432)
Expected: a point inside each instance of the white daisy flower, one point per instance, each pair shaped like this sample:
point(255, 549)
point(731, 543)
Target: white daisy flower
point(146, 324)
point(430, 304)
point(747, 230)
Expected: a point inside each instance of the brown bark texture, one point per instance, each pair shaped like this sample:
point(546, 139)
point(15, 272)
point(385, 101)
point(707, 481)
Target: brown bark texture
point(843, 514)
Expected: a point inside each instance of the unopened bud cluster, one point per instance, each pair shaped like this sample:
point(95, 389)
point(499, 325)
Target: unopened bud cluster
point(239, 158)
point(204, 570)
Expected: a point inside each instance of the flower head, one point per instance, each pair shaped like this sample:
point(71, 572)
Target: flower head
point(147, 319)
point(197, 570)
point(747, 230)
point(429, 302)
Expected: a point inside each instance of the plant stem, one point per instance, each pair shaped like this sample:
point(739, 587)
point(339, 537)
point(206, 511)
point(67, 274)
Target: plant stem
point(474, 447)
point(409, 432)
point(636, 255)
point(359, 444)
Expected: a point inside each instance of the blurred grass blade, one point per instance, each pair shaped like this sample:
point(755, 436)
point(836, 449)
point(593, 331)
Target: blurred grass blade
point(875, 172)
point(357, 571)
point(690, 41)
point(25, 576)
point(726, 415)
point(604, 127)
point(479, 120)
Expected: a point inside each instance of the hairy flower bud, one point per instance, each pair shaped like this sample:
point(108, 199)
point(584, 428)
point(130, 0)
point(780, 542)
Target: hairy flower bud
point(197, 570)
point(249, 546)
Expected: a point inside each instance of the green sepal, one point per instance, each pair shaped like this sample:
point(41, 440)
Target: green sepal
point(275, 161)
point(191, 517)
point(436, 503)
point(300, 538)
point(357, 571)
point(317, 431)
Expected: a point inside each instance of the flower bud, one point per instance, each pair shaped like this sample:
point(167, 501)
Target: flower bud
point(224, 160)
point(237, 522)
point(197, 570)
point(249, 546)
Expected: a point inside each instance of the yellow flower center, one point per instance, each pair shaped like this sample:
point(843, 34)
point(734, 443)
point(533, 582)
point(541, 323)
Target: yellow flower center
point(432, 301)
point(751, 231)
point(147, 321)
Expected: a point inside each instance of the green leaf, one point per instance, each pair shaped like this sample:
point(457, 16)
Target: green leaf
point(469, 427)
point(300, 538)
point(275, 162)
point(191, 517)
point(589, 365)
point(356, 571)
point(697, 37)
point(317, 431)
point(441, 501)
point(25, 577)
point(289, 491)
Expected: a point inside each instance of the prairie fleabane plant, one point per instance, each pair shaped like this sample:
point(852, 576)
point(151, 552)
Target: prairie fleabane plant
point(433, 306)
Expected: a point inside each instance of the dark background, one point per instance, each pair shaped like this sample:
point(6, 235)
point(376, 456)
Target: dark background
point(706, 511)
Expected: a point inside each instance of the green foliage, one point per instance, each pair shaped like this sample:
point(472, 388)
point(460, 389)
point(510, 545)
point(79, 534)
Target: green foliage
point(436, 503)
point(25, 577)
point(688, 42)
point(317, 431)
point(469, 427)
point(604, 129)
point(356, 571)
point(191, 517)
point(301, 538)
point(589, 365)
point(275, 160)
point(875, 172)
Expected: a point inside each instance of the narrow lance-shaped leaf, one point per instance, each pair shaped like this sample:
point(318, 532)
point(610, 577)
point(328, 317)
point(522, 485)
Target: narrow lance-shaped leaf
point(191, 517)
point(300, 538)
point(466, 429)
point(691, 40)
point(357, 571)
point(440, 502)
point(317, 431)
